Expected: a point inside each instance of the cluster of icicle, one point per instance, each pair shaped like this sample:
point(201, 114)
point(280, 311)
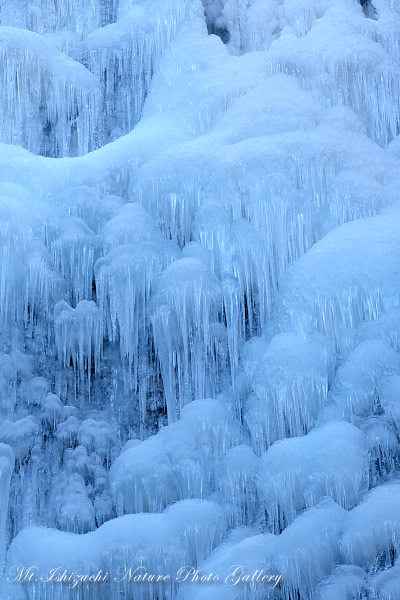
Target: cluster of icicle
point(200, 320)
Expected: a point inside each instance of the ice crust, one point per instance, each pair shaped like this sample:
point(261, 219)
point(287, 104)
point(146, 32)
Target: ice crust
point(199, 295)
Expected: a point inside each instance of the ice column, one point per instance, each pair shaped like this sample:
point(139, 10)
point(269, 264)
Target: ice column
point(6, 469)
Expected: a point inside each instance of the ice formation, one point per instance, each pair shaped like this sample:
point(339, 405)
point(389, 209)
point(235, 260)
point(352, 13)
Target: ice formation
point(6, 469)
point(185, 314)
point(199, 298)
point(52, 101)
point(79, 337)
point(296, 473)
point(289, 379)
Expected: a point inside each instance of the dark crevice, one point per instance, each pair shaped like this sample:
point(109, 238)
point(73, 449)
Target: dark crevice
point(369, 9)
point(221, 32)
point(214, 19)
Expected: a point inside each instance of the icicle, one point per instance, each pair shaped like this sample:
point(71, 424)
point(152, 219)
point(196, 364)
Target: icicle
point(252, 26)
point(131, 224)
point(6, 469)
point(291, 564)
point(345, 582)
point(372, 529)
point(97, 437)
point(125, 280)
point(388, 392)
point(51, 409)
point(309, 549)
point(289, 378)
point(189, 300)
point(201, 526)
point(296, 473)
point(383, 448)
point(89, 205)
point(180, 462)
point(74, 253)
point(20, 435)
point(52, 100)
point(73, 510)
point(385, 328)
point(387, 583)
point(123, 57)
point(354, 389)
point(28, 283)
point(141, 480)
point(79, 338)
point(157, 544)
point(67, 432)
point(236, 482)
point(149, 543)
point(14, 367)
point(45, 16)
point(347, 292)
point(170, 196)
point(359, 78)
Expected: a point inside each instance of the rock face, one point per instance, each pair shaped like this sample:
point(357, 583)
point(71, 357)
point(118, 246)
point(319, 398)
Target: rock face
point(199, 299)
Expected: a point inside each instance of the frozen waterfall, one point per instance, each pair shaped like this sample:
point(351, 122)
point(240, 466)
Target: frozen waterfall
point(200, 300)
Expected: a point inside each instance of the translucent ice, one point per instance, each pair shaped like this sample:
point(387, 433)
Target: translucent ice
point(20, 435)
point(6, 469)
point(289, 380)
point(52, 99)
point(349, 291)
point(73, 511)
point(296, 473)
point(79, 337)
point(214, 215)
point(345, 582)
point(354, 389)
point(372, 528)
point(188, 301)
point(181, 461)
point(152, 543)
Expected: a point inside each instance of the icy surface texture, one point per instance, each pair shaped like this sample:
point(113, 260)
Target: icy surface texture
point(296, 473)
point(184, 460)
point(79, 336)
point(6, 469)
point(186, 310)
point(199, 296)
point(51, 100)
point(289, 379)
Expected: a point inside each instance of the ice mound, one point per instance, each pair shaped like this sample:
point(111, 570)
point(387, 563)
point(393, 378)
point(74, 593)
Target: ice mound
point(20, 435)
point(345, 582)
point(152, 543)
point(289, 379)
point(297, 472)
point(372, 528)
point(185, 215)
point(188, 301)
point(58, 94)
point(385, 328)
point(300, 558)
point(350, 292)
point(387, 584)
point(356, 381)
point(180, 462)
point(130, 50)
point(73, 509)
point(319, 61)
